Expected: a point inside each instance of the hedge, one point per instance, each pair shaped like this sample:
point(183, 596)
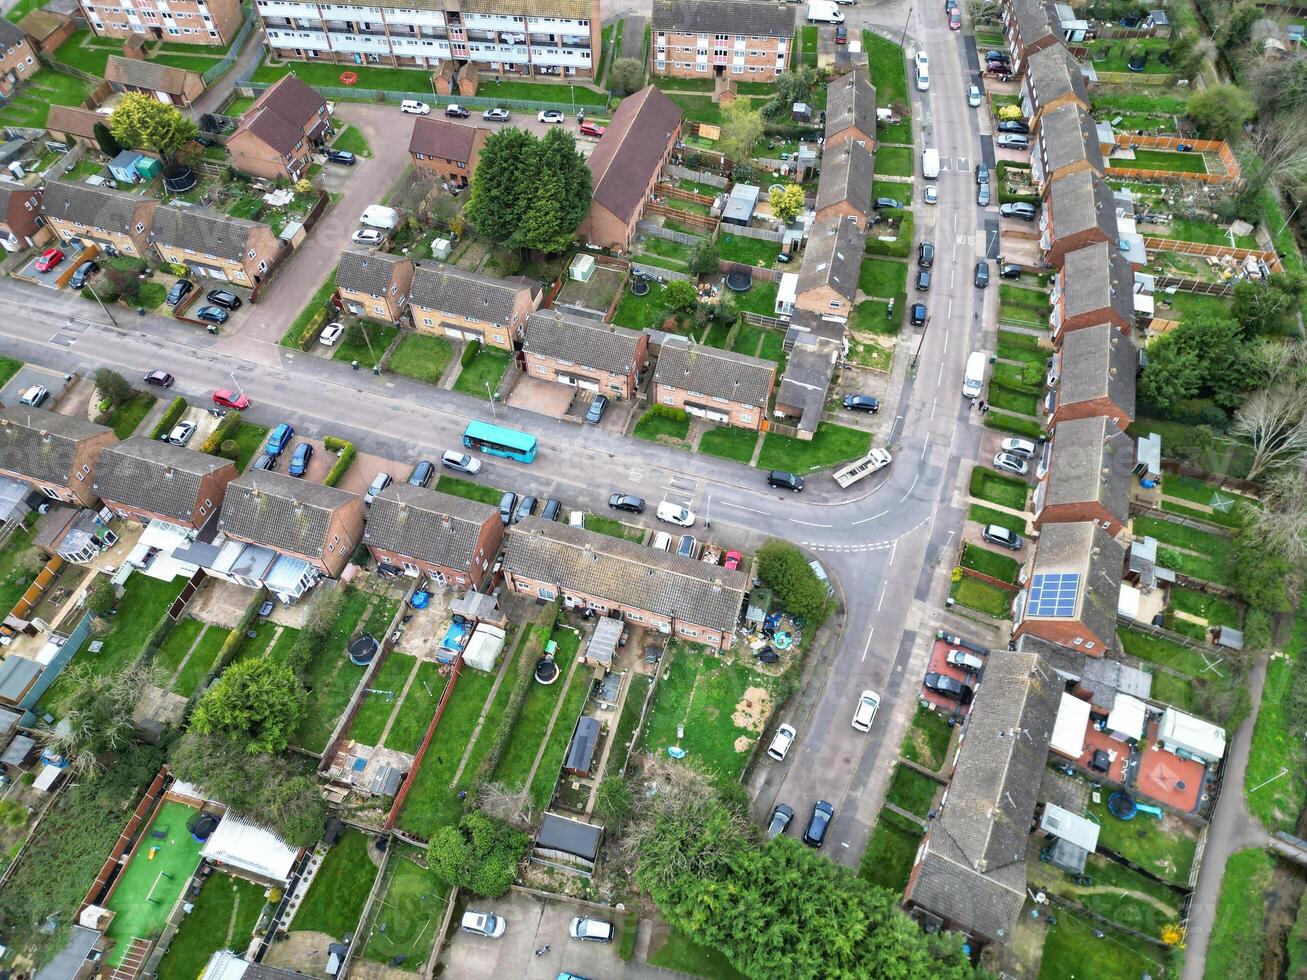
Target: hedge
point(175, 410)
point(233, 645)
point(469, 352)
point(226, 426)
point(346, 451)
point(667, 412)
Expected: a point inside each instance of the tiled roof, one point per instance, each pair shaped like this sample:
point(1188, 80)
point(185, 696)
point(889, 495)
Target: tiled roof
point(753, 18)
point(713, 372)
point(833, 257)
point(631, 150)
point(1087, 550)
point(368, 272)
point(10, 34)
point(72, 120)
point(1053, 73)
point(1098, 362)
point(585, 342)
point(8, 188)
point(1034, 20)
point(439, 137)
point(93, 207)
point(847, 173)
point(1068, 135)
point(851, 101)
point(154, 475)
point(202, 232)
point(804, 384)
point(281, 114)
point(426, 524)
point(146, 74)
point(1091, 461)
point(448, 289)
point(1097, 277)
point(1079, 202)
point(281, 512)
point(42, 445)
point(621, 571)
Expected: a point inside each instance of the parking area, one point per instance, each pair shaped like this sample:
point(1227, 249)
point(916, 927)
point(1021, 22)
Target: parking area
point(29, 375)
point(203, 420)
point(543, 397)
point(51, 278)
point(359, 476)
point(938, 664)
point(199, 298)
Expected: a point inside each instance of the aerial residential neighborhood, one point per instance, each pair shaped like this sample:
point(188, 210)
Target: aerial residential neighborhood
point(706, 488)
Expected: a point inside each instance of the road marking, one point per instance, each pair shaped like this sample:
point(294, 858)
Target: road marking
point(950, 307)
point(924, 446)
point(751, 510)
point(914, 483)
point(940, 380)
point(883, 589)
point(871, 518)
point(933, 403)
point(866, 649)
point(795, 520)
point(945, 350)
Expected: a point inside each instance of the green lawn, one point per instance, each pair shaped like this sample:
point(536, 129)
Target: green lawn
point(885, 278)
point(895, 161)
point(407, 916)
point(1119, 894)
point(421, 356)
point(371, 344)
point(1224, 458)
point(481, 377)
point(1027, 307)
point(46, 88)
point(624, 739)
point(1159, 650)
point(540, 92)
point(750, 251)
point(340, 888)
point(873, 316)
point(1072, 950)
point(14, 577)
point(1006, 491)
point(1215, 610)
point(1277, 741)
point(415, 713)
point(678, 952)
point(1215, 506)
point(249, 439)
point(1016, 424)
point(612, 528)
point(225, 906)
point(927, 739)
point(807, 45)
point(201, 661)
point(987, 515)
point(1166, 852)
point(533, 719)
point(1180, 163)
point(1011, 400)
point(990, 563)
point(655, 427)
point(83, 50)
point(888, 70)
point(1238, 939)
point(899, 132)
point(551, 762)
point(376, 709)
point(127, 415)
point(760, 299)
point(1117, 54)
point(466, 488)
point(1213, 549)
point(295, 335)
point(351, 138)
point(1013, 346)
point(832, 444)
point(1207, 233)
point(729, 442)
point(887, 861)
point(911, 791)
point(8, 368)
point(639, 312)
point(983, 597)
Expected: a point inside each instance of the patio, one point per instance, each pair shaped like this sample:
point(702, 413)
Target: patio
point(1169, 779)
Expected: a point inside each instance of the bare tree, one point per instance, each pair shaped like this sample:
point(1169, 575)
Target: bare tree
point(1281, 521)
point(100, 723)
point(511, 806)
point(1278, 362)
point(1283, 147)
point(1272, 420)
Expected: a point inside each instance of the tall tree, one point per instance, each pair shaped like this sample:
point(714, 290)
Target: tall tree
point(1269, 307)
point(741, 130)
point(560, 197)
point(786, 202)
point(502, 184)
point(1221, 111)
point(625, 76)
point(108, 145)
point(260, 700)
point(782, 566)
point(705, 259)
point(112, 385)
point(99, 725)
point(145, 123)
point(1273, 421)
point(791, 87)
point(480, 854)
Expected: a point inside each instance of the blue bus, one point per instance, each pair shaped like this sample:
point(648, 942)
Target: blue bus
point(498, 441)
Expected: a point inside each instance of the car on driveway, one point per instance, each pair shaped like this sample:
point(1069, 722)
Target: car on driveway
point(1009, 271)
point(841, 35)
point(264, 461)
point(865, 713)
point(814, 835)
point(83, 273)
point(379, 483)
point(862, 403)
point(526, 507)
point(671, 513)
point(507, 504)
point(35, 396)
point(783, 480)
point(224, 298)
point(231, 399)
point(887, 204)
point(299, 460)
point(49, 259)
point(179, 291)
point(456, 112)
point(181, 433)
point(549, 116)
point(1013, 126)
point(592, 129)
point(627, 502)
point(999, 535)
point(1019, 447)
point(780, 819)
point(331, 333)
point(495, 115)
point(1012, 141)
point(732, 560)
point(552, 510)
point(421, 473)
point(965, 660)
point(998, 70)
point(1008, 463)
point(367, 236)
point(343, 157)
point(485, 924)
point(595, 413)
point(974, 97)
point(161, 379)
point(781, 742)
point(591, 930)
point(1020, 209)
point(451, 459)
point(947, 687)
point(279, 438)
point(211, 314)
point(918, 316)
point(993, 54)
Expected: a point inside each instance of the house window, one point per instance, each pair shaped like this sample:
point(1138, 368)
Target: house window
point(690, 632)
point(546, 594)
point(635, 617)
point(426, 320)
point(52, 493)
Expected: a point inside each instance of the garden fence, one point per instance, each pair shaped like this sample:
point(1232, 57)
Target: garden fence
point(749, 231)
point(233, 52)
point(688, 218)
point(356, 94)
point(671, 235)
point(658, 272)
point(1187, 285)
point(680, 194)
point(1269, 259)
point(756, 272)
point(1134, 78)
point(699, 176)
point(360, 934)
point(762, 320)
point(402, 795)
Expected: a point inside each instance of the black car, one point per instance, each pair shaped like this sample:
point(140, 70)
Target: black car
point(627, 502)
point(982, 274)
point(455, 112)
point(785, 481)
point(780, 819)
point(342, 157)
point(525, 508)
point(264, 461)
point(926, 255)
point(421, 473)
point(552, 510)
point(862, 403)
point(1009, 271)
point(923, 280)
point(982, 174)
point(180, 290)
point(211, 314)
point(993, 54)
point(595, 412)
point(507, 505)
point(887, 204)
point(160, 378)
point(918, 316)
point(83, 273)
point(1013, 126)
point(946, 686)
point(224, 298)
point(814, 835)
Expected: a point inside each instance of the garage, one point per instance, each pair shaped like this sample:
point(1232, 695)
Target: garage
point(704, 412)
point(578, 381)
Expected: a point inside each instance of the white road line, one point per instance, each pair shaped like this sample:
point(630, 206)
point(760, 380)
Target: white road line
point(751, 510)
point(883, 589)
point(941, 373)
point(924, 446)
point(945, 350)
point(933, 403)
point(871, 518)
point(894, 546)
point(911, 488)
point(795, 520)
point(866, 649)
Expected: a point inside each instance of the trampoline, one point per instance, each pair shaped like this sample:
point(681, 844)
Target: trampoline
point(639, 287)
point(362, 649)
point(546, 671)
point(202, 826)
point(420, 600)
point(739, 282)
point(1122, 806)
point(179, 180)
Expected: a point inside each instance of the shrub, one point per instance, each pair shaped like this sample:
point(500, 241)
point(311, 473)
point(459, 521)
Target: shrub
point(666, 412)
point(346, 453)
point(113, 385)
point(469, 352)
point(175, 410)
point(782, 566)
point(221, 434)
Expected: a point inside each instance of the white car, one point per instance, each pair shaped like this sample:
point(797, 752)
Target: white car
point(1010, 464)
point(483, 924)
point(1019, 447)
point(461, 462)
point(34, 396)
point(923, 71)
point(181, 433)
point(331, 333)
point(379, 483)
point(675, 514)
point(549, 116)
point(495, 115)
point(781, 742)
point(414, 107)
point(974, 97)
point(591, 930)
point(662, 541)
point(932, 194)
point(865, 713)
point(368, 236)
point(964, 660)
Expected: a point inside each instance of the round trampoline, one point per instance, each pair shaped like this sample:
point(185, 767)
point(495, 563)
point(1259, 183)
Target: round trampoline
point(1122, 806)
point(362, 649)
point(546, 671)
point(739, 282)
point(639, 287)
point(420, 600)
point(179, 180)
point(202, 825)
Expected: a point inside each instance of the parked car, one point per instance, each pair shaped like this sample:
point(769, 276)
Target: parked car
point(421, 473)
point(595, 413)
point(982, 174)
point(926, 255)
point(862, 403)
point(331, 333)
point(998, 534)
point(965, 660)
point(1019, 447)
point(181, 433)
point(591, 930)
point(781, 742)
point(592, 129)
point(279, 438)
point(1012, 141)
point(367, 236)
point(841, 35)
point(672, 513)
point(923, 280)
point(495, 115)
point(224, 298)
point(211, 314)
point(930, 194)
point(783, 480)
point(344, 157)
point(549, 116)
point(993, 54)
point(379, 483)
point(264, 461)
point(982, 195)
point(1009, 271)
point(688, 546)
point(865, 713)
point(455, 112)
point(918, 315)
point(1013, 126)
point(982, 274)
point(887, 203)
point(732, 560)
point(415, 108)
point(34, 396)
point(452, 459)
point(954, 20)
point(946, 686)
point(627, 502)
point(83, 273)
point(1021, 210)
point(299, 460)
point(998, 70)
point(50, 259)
point(814, 835)
point(780, 819)
point(507, 505)
point(974, 97)
point(161, 379)
point(662, 541)
point(179, 291)
point(526, 507)
point(485, 924)
point(552, 510)
point(231, 399)
point(1007, 463)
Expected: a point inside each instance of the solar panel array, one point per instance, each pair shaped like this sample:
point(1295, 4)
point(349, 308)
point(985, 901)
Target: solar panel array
point(1054, 594)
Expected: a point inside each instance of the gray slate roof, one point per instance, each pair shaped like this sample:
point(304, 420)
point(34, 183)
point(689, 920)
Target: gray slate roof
point(1098, 362)
point(1080, 202)
point(367, 272)
point(713, 372)
point(450, 290)
point(11, 34)
point(585, 342)
point(281, 512)
point(66, 963)
point(41, 445)
point(833, 257)
point(94, 207)
point(1088, 550)
point(1091, 460)
point(806, 380)
point(426, 524)
point(847, 173)
point(1103, 679)
point(851, 101)
point(1098, 277)
point(973, 872)
point(755, 18)
point(203, 232)
point(155, 475)
point(1053, 73)
point(620, 571)
point(1035, 22)
point(1068, 135)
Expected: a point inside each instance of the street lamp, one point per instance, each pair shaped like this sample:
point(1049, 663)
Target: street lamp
point(235, 384)
point(493, 414)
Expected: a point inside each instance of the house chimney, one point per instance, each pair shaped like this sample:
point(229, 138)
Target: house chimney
point(446, 521)
point(168, 473)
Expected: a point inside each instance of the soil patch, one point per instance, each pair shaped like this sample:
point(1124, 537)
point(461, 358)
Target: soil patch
point(752, 710)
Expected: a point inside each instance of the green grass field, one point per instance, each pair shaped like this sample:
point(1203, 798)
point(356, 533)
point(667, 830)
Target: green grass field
point(376, 709)
point(988, 515)
point(729, 442)
point(1276, 762)
point(351, 138)
point(127, 416)
point(459, 487)
point(1238, 939)
point(885, 278)
point(983, 597)
point(29, 107)
point(1006, 491)
point(1166, 851)
point(887, 861)
point(832, 444)
point(1180, 163)
point(750, 251)
point(895, 161)
point(680, 953)
point(990, 563)
point(911, 791)
point(551, 761)
point(249, 439)
point(225, 905)
point(888, 70)
point(372, 342)
point(1071, 949)
point(927, 739)
point(481, 377)
point(656, 427)
point(415, 712)
point(340, 888)
point(411, 906)
point(422, 357)
point(201, 661)
point(612, 528)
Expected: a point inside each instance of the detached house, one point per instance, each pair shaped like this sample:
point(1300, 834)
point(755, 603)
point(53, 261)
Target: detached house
point(828, 277)
point(374, 285)
point(214, 246)
point(17, 59)
point(278, 133)
point(55, 454)
point(1095, 370)
point(1071, 596)
point(1088, 478)
point(712, 384)
point(452, 303)
point(587, 354)
point(740, 39)
point(1066, 142)
point(21, 223)
point(850, 112)
point(1079, 210)
point(844, 188)
point(148, 480)
point(1094, 285)
point(1053, 78)
point(450, 540)
point(116, 221)
point(445, 150)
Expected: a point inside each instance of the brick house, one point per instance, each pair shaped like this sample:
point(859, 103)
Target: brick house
point(1079, 209)
point(151, 78)
point(1095, 368)
point(1075, 582)
point(146, 480)
point(48, 29)
point(450, 540)
point(844, 188)
point(1066, 142)
point(449, 302)
point(1029, 28)
point(374, 285)
point(211, 22)
point(828, 277)
point(678, 596)
point(587, 354)
point(739, 39)
point(214, 245)
point(55, 454)
point(116, 221)
point(17, 58)
point(712, 384)
point(1094, 285)
point(21, 223)
point(278, 133)
point(1088, 477)
point(626, 164)
point(1053, 78)
point(850, 111)
point(443, 149)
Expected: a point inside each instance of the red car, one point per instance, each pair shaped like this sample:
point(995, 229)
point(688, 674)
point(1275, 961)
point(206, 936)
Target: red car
point(954, 20)
point(230, 399)
point(591, 129)
point(50, 258)
point(841, 35)
point(733, 559)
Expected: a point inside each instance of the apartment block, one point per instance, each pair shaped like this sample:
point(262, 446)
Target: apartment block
point(211, 22)
point(748, 40)
point(501, 37)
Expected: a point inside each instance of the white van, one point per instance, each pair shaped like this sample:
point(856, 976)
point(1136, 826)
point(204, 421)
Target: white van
point(930, 163)
point(380, 216)
point(974, 379)
point(824, 12)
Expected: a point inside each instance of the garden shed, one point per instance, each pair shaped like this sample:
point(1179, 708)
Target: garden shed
point(567, 845)
point(581, 753)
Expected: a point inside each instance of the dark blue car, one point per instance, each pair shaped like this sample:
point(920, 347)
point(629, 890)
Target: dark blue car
point(299, 463)
point(278, 439)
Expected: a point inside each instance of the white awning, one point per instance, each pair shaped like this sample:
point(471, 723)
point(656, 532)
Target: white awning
point(1191, 737)
point(1070, 727)
point(1127, 602)
point(1069, 827)
point(1128, 716)
point(243, 846)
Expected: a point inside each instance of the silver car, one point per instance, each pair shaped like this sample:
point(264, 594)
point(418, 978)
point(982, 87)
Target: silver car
point(1008, 463)
point(965, 660)
point(974, 97)
point(1019, 447)
point(379, 483)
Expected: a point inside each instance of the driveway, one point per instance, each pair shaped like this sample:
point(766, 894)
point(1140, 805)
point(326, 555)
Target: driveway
point(28, 375)
point(72, 259)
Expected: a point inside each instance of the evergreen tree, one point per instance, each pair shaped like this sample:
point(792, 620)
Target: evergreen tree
point(502, 185)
